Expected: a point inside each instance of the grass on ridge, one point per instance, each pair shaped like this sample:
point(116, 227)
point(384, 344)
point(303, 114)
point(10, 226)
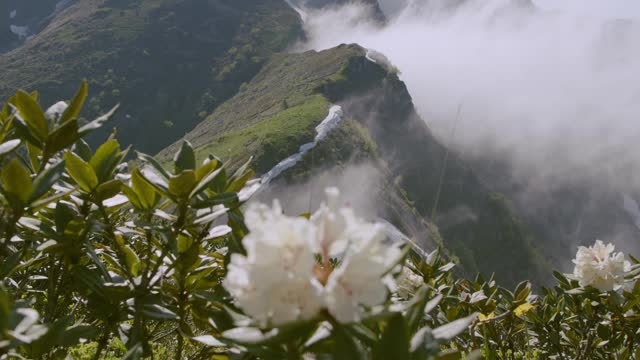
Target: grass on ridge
point(270, 140)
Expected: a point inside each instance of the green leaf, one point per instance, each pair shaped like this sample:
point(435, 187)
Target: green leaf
point(62, 137)
point(47, 178)
point(181, 185)
point(219, 199)
point(34, 155)
point(133, 261)
point(82, 149)
point(416, 309)
point(248, 335)
point(16, 181)
point(207, 168)
point(564, 282)
point(345, 347)
point(73, 110)
point(155, 164)
point(394, 343)
point(433, 303)
point(522, 291)
point(31, 113)
point(74, 333)
point(108, 189)
point(158, 183)
point(238, 184)
point(39, 204)
point(145, 192)
point(453, 329)
point(185, 159)
point(157, 312)
point(209, 340)
point(105, 159)
point(81, 172)
point(184, 243)
point(23, 132)
point(211, 216)
point(132, 196)
point(9, 146)
point(5, 309)
point(9, 264)
point(86, 279)
point(99, 122)
point(280, 335)
point(417, 345)
point(364, 334)
point(204, 183)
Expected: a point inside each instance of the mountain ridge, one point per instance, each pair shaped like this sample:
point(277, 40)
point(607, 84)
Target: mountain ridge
point(382, 129)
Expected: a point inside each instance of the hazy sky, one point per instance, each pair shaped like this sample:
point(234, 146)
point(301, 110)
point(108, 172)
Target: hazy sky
point(624, 8)
point(556, 91)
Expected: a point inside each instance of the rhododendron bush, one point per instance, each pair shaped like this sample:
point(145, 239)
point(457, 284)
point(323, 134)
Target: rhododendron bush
point(107, 255)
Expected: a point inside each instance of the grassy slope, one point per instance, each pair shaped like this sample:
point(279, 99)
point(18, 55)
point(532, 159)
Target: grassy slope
point(168, 62)
point(277, 111)
point(273, 114)
point(270, 140)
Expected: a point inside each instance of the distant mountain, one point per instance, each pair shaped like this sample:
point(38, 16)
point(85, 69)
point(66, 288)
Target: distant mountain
point(169, 62)
point(21, 19)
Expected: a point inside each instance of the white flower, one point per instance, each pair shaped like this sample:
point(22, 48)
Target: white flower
point(274, 283)
point(332, 225)
point(408, 282)
point(280, 279)
point(600, 267)
point(360, 278)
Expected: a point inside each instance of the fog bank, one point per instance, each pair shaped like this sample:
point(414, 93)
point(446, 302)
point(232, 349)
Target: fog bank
point(555, 91)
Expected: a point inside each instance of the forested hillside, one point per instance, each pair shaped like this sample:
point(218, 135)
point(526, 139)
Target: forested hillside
point(176, 60)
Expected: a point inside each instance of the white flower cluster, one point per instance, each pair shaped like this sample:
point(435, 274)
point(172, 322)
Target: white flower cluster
point(281, 279)
point(598, 266)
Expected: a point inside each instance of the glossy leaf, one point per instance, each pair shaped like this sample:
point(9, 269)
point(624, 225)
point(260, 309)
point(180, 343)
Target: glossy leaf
point(31, 113)
point(73, 110)
point(185, 158)
point(81, 172)
point(99, 122)
point(16, 181)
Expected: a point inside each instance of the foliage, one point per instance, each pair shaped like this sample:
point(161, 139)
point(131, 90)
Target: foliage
point(565, 322)
point(99, 260)
point(93, 252)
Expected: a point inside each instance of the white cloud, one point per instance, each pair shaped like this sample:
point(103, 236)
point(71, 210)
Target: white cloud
point(556, 92)
point(616, 8)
